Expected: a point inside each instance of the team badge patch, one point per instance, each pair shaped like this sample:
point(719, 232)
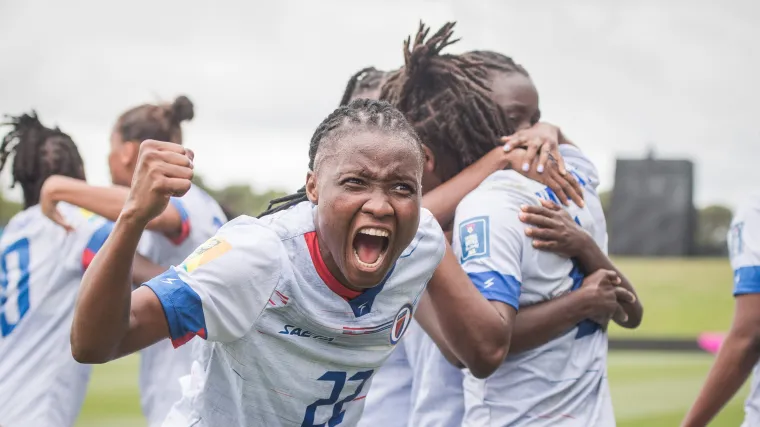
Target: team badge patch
point(735, 243)
point(474, 238)
point(207, 252)
point(401, 323)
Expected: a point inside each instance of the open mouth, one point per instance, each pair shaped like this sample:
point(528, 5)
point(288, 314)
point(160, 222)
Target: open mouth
point(370, 245)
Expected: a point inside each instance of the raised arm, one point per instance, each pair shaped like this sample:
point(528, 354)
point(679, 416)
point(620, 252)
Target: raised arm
point(442, 201)
point(109, 319)
point(107, 202)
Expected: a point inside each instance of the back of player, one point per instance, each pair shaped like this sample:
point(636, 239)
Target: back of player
point(744, 250)
point(162, 366)
point(41, 266)
point(564, 382)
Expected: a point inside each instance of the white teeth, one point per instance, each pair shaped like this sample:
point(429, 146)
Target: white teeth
point(371, 231)
point(367, 265)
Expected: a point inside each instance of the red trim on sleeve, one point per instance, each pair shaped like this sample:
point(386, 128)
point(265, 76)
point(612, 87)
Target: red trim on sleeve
point(324, 273)
point(87, 258)
point(183, 235)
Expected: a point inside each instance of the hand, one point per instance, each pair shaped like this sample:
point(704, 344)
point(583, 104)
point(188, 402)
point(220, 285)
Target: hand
point(164, 170)
point(49, 204)
point(603, 294)
point(554, 230)
point(541, 139)
point(566, 187)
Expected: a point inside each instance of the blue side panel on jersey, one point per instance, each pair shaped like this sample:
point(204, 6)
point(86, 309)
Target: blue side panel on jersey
point(99, 237)
point(21, 247)
point(362, 304)
point(474, 238)
point(747, 280)
point(182, 305)
point(495, 286)
point(177, 203)
point(577, 176)
point(217, 223)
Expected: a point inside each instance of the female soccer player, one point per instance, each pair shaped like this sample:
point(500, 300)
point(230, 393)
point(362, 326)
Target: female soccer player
point(186, 223)
point(447, 131)
point(740, 352)
point(41, 266)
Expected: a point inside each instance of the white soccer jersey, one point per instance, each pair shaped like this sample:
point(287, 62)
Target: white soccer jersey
point(161, 366)
point(41, 267)
point(744, 250)
point(563, 382)
point(288, 344)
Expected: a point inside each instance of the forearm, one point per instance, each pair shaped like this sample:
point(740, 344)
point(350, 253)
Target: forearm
point(476, 330)
point(736, 358)
point(106, 202)
point(442, 201)
point(592, 258)
point(538, 324)
point(101, 316)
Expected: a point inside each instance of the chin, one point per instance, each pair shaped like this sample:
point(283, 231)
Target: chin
point(365, 278)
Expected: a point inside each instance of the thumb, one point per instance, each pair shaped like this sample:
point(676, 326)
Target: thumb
point(60, 220)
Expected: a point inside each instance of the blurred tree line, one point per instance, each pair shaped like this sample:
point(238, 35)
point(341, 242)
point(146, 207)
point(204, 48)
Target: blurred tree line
point(713, 223)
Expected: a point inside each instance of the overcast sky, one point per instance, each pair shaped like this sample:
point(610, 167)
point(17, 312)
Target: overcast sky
point(617, 76)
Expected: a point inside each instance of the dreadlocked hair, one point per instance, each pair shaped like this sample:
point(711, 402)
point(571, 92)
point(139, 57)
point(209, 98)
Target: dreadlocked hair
point(447, 100)
point(496, 61)
point(358, 115)
point(365, 79)
point(39, 152)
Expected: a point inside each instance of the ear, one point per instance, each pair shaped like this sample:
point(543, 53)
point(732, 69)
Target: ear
point(429, 161)
point(311, 187)
point(129, 152)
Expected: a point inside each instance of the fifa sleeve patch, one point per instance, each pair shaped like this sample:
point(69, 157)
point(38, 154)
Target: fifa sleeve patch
point(97, 240)
point(495, 286)
point(212, 249)
point(474, 239)
point(184, 217)
point(747, 280)
point(182, 306)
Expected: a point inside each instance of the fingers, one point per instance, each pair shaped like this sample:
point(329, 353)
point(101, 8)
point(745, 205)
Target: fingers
point(623, 295)
point(530, 156)
point(151, 144)
point(557, 189)
point(550, 205)
point(60, 220)
point(543, 157)
point(569, 186)
point(620, 315)
point(538, 220)
point(559, 159)
point(177, 187)
point(545, 245)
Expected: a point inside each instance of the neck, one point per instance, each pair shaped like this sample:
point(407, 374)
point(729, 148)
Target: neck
point(332, 266)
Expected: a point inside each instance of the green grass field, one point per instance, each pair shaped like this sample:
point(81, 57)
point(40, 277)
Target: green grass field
point(681, 298)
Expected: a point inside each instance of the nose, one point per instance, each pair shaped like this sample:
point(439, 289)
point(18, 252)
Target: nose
point(378, 205)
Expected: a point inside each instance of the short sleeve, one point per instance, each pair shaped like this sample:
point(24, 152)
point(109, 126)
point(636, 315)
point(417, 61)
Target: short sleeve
point(489, 239)
point(429, 244)
point(580, 166)
point(91, 232)
point(744, 250)
point(219, 291)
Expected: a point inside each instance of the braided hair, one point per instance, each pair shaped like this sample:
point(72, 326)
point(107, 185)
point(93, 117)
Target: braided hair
point(364, 80)
point(39, 153)
point(496, 61)
point(359, 115)
point(447, 99)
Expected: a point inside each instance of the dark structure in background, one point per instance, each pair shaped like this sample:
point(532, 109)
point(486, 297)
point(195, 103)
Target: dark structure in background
point(652, 208)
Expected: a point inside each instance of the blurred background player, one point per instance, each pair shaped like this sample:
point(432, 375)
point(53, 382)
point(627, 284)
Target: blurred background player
point(740, 351)
point(41, 266)
point(186, 223)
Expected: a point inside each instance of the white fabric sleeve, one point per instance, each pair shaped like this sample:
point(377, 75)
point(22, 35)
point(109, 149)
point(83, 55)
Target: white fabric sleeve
point(744, 249)
point(219, 291)
point(489, 239)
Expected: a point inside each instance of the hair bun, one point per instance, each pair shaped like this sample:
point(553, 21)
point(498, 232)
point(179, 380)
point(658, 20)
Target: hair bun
point(182, 109)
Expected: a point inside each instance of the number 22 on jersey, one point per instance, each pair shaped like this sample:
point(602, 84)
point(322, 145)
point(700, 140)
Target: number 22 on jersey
point(339, 380)
point(14, 284)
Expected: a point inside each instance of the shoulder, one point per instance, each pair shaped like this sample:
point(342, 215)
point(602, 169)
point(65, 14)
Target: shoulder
point(502, 191)
point(580, 165)
point(429, 243)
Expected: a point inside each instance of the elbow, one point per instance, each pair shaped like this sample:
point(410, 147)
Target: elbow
point(487, 360)
point(88, 354)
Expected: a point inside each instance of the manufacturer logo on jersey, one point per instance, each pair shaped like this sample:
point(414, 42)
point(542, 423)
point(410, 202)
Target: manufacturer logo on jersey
point(401, 323)
point(474, 238)
point(207, 252)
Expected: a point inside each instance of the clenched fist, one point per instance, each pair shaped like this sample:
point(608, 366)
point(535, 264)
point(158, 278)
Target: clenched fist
point(164, 170)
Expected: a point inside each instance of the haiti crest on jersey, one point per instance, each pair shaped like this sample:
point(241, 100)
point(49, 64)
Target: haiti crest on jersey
point(473, 238)
point(401, 323)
